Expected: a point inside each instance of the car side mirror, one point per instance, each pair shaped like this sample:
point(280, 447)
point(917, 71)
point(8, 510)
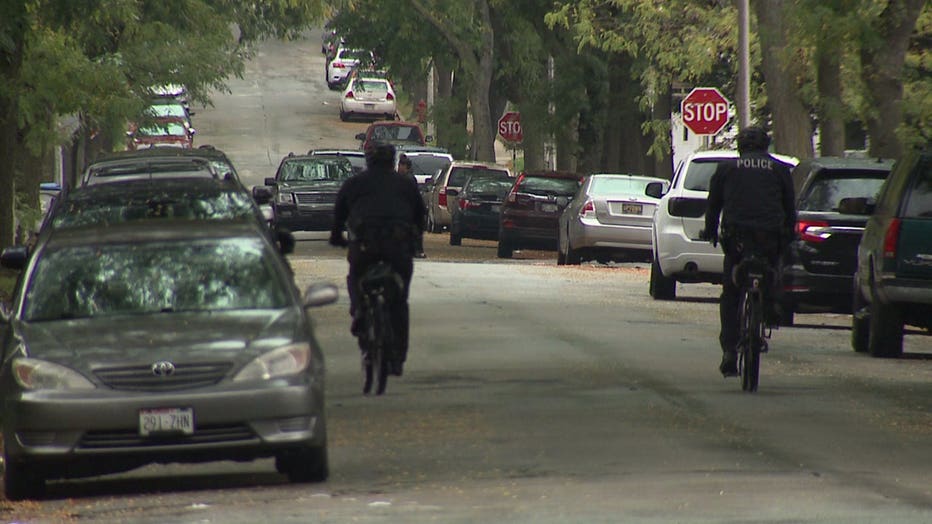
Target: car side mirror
point(452, 192)
point(654, 189)
point(191, 113)
point(360, 136)
point(14, 257)
point(429, 138)
point(262, 194)
point(856, 206)
point(320, 294)
point(192, 131)
point(270, 182)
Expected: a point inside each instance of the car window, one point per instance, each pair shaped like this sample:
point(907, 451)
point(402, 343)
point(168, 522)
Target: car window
point(827, 189)
point(538, 185)
point(166, 110)
point(169, 169)
point(699, 173)
point(370, 86)
point(919, 199)
point(617, 186)
point(428, 164)
point(497, 186)
point(402, 133)
point(141, 278)
point(169, 128)
point(354, 54)
point(314, 171)
point(459, 175)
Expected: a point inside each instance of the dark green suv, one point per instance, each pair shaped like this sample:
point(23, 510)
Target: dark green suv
point(893, 282)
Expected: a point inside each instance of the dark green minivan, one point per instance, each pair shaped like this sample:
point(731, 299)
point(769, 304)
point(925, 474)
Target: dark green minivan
point(893, 282)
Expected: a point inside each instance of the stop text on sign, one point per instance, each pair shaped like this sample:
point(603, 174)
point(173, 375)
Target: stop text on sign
point(705, 111)
point(509, 126)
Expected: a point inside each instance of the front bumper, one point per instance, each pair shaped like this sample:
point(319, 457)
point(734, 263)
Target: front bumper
point(802, 288)
point(593, 234)
point(304, 218)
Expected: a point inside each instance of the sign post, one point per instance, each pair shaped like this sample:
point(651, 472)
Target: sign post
point(705, 111)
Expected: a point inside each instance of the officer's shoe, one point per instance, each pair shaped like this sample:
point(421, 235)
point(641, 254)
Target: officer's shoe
point(356, 327)
point(397, 368)
point(729, 365)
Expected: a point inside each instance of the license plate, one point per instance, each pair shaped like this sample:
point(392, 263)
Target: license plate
point(370, 106)
point(496, 208)
point(631, 209)
point(548, 208)
point(166, 420)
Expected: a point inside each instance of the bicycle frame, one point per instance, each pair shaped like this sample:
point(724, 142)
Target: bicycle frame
point(751, 277)
point(379, 286)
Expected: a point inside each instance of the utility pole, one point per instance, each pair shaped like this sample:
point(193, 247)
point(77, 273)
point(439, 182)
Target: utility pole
point(744, 66)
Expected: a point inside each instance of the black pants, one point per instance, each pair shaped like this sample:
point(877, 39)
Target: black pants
point(399, 257)
point(736, 244)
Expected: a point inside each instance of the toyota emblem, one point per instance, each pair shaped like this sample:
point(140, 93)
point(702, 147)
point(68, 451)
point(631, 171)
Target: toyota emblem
point(163, 368)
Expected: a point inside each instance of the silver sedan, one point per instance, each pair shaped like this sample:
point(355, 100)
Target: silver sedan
point(609, 218)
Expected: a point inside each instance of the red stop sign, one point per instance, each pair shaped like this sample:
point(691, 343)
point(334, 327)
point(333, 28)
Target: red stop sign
point(705, 111)
point(509, 126)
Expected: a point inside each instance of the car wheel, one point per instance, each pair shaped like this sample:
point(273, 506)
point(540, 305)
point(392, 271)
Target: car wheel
point(343, 116)
point(573, 258)
point(661, 287)
point(306, 465)
point(20, 482)
point(885, 336)
point(860, 323)
point(455, 239)
point(505, 250)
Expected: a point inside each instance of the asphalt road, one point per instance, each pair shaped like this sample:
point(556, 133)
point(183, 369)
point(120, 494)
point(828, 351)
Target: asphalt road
point(538, 393)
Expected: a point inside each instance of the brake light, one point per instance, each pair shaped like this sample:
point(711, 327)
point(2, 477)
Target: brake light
point(813, 230)
point(513, 194)
point(468, 204)
point(338, 65)
point(891, 238)
point(442, 197)
point(588, 209)
point(350, 95)
point(389, 97)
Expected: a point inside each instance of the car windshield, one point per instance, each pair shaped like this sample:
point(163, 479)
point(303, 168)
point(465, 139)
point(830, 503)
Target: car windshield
point(489, 186)
point(397, 133)
point(428, 164)
point(83, 208)
point(538, 185)
point(315, 170)
point(919, 203)
point(354, 54)
point(829, 187)
point(145, 278)
point(166, 129)
point(371, 86)
point(459, 175)
point(167, 110)
point(602, 185)
point(135, 170)
point(700, 172)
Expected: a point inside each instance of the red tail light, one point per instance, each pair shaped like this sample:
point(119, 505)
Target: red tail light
point(389, 97)
point(813, 230)
point(588, 209)
point(891, 238)
point(468, 204)
point(513, 194)
point(338, 65)
point(350, 95)
point(442, 197)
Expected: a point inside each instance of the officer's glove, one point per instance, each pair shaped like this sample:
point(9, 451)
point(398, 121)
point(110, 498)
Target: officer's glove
point(337, 240)
point(710, 236)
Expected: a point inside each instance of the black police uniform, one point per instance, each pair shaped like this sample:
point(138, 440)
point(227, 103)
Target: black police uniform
point(755, 196)
point(372, 205)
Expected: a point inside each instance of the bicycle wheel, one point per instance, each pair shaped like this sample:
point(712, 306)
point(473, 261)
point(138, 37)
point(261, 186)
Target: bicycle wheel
point(751, 375)
point(379, 356)
point(367, 339)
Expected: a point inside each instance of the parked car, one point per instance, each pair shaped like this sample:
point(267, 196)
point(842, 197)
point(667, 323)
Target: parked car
point(440, 198)
point(478, 206)
point(356, 158)
point(343, 62)
point(305, 191)
point(369, 98)
point(530, 216)
point(427, 162)
point(893, 280)
point(679, 255)
point(819, 266)
point(169, 134)
point(394, 133)
point(609, 218)
point(128, 344)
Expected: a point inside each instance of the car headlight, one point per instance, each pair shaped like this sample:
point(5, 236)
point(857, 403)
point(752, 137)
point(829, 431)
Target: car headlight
point(280, 362)
point(35, 374)
point(285, 197)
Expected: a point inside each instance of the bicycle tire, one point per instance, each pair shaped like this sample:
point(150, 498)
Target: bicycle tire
point(367, 341)
point(754, 340)
point(379, 357)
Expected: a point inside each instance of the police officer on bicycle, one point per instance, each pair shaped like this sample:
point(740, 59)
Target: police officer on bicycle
point(383, 214)
point(755, 197)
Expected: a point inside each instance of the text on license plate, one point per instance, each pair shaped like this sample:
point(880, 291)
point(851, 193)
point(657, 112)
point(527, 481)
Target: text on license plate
point(495, 208)
point(631, 209)
point(166, 420)
point(370, 106)
point(548, 208)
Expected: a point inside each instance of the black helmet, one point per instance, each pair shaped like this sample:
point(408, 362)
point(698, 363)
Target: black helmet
point(380, 155)
point(753, 138)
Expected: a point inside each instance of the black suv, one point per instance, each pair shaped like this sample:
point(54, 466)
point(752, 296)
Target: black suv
point(820, 262)
point(530, 216)
point(304, 190)
point(893, 282)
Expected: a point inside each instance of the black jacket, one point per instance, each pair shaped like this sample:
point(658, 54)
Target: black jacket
point(753, 191)
point(378, 195)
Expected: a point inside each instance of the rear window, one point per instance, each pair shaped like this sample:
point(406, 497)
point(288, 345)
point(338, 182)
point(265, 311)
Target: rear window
point(919, 201)
point(617, 186)
point(459, 175)
point(491, 186)
point(548, 186)
point(700, 172)
point(428, 164)
point(402, 133)
point(371, 86)
point(829, 187)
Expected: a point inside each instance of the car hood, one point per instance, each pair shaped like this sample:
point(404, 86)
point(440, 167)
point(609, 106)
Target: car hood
point(329, 186)
point(235, 336)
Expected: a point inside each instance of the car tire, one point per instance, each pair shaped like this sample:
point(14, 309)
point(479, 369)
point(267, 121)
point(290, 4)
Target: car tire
point(306, 465)
point(20, 482)
point(860, 323)
point(505, 250)
point(661, 287)
point(885, 337)
point(343, 116)
point(455, 239)
point(573, 258)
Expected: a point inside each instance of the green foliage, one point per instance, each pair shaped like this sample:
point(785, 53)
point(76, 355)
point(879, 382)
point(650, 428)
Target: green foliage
point(916, 129)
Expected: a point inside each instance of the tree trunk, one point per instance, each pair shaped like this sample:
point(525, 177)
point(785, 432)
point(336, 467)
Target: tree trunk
point(882, 72)
point(792, 129)
point(831, 109)
point(483, 132)
point(567, 144)
point(8, 131)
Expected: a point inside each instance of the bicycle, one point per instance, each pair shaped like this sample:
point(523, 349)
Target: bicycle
point(752, 277)
point(379, 288)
